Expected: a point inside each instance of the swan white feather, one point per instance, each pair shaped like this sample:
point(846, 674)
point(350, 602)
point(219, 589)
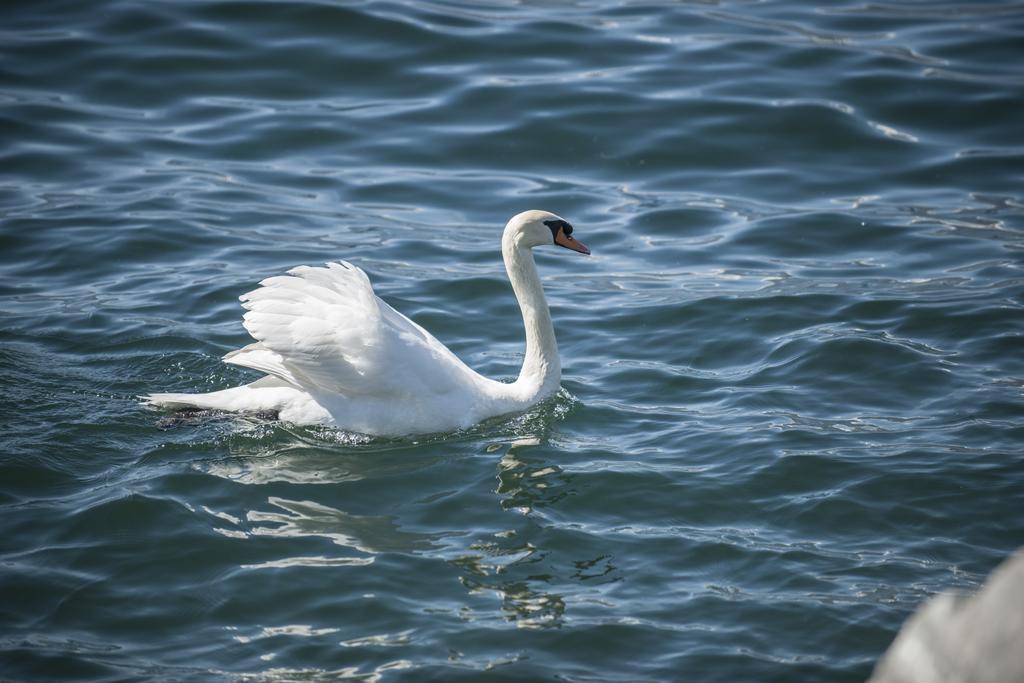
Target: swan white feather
point(335, 353)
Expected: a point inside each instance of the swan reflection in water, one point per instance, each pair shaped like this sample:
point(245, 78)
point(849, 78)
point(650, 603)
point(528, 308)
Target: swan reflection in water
point(501, 562)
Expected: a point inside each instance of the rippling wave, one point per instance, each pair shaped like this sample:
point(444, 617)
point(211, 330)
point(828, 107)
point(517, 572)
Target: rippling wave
point(791, 406)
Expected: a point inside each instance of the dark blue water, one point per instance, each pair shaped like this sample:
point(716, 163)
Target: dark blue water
point(792, 396)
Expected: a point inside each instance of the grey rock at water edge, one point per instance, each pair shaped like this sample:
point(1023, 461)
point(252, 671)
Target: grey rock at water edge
point(960, 639)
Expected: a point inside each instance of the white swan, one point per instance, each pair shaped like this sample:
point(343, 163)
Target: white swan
point(336, 354)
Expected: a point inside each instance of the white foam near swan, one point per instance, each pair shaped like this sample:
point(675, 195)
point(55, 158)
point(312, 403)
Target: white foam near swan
point(334, 353)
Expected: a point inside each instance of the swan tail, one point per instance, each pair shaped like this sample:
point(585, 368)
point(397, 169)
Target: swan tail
point(228, 400)
point(267, 394)
point(170, 401)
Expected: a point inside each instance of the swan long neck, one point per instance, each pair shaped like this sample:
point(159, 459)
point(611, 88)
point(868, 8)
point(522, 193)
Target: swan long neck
point(542, 369)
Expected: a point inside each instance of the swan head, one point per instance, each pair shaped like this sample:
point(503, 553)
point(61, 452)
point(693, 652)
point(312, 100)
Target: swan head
point(538, 228)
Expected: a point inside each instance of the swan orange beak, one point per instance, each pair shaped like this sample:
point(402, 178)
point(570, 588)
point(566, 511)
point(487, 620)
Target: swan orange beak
point(569, 242)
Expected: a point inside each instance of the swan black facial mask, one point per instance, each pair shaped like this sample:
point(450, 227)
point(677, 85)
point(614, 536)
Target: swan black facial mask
point(561, 233)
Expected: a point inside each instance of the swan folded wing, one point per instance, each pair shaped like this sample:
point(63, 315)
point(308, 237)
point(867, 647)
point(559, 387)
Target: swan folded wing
point(324, 329)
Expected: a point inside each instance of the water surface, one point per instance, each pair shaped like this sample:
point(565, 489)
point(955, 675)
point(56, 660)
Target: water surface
point(793, 368)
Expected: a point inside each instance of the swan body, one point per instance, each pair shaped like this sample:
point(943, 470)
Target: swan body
point(334, 353)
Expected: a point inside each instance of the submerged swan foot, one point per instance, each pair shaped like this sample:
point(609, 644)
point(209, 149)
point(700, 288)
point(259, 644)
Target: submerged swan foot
point(191, 417)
